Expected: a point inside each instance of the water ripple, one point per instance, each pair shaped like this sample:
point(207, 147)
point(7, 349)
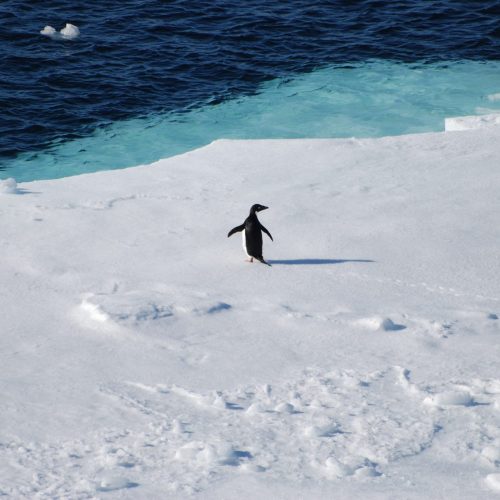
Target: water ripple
point(134, 58)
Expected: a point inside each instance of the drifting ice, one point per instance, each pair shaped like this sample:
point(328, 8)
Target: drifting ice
point(69, 32)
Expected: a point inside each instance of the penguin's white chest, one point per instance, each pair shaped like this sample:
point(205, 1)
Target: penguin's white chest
point(244, 241)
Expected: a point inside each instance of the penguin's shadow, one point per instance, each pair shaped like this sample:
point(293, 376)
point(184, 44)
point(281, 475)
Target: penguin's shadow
point(23, 191)
point(313, 262)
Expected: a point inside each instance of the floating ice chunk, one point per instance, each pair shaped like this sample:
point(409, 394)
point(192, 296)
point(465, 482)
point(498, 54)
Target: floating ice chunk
point(471, 122)
point(49, 31)
point(8, 186)
point(69, 32)
point(494, 97)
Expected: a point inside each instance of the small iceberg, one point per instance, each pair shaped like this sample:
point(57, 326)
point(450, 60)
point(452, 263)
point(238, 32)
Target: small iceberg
point(69, 32)
point(48, 31)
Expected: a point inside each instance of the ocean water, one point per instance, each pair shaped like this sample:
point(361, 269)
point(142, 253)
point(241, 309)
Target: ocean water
point(147, 80)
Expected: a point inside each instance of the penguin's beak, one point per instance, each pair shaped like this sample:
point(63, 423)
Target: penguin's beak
point(263, 208)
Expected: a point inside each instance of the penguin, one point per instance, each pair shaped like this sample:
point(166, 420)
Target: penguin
point(252, 234)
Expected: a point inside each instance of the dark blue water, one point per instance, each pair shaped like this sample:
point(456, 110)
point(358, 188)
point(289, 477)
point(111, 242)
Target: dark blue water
point(137, 58)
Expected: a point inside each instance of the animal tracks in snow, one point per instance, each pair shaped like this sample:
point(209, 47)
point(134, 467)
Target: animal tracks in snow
point(321, 426)
point(312, 427)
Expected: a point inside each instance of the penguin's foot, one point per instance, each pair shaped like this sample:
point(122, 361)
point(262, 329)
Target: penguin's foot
point(249, 260)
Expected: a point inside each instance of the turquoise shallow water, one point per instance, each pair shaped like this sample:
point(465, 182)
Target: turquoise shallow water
point(374, 99)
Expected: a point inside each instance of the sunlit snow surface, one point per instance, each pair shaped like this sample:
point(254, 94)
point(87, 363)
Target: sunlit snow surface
point(375, 99)
point(143, 358)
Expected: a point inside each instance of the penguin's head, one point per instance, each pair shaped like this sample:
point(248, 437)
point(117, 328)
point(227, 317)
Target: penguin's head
point(257, 208)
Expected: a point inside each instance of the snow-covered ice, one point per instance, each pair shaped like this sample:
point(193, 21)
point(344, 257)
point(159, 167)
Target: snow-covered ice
point(142, 357)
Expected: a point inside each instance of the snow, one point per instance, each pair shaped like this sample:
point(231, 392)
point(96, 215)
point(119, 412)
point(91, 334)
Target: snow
point(143, 357)
point(8, 186)
point(493, 481)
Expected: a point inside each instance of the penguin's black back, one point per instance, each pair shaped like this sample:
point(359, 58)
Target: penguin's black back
point(253, 236)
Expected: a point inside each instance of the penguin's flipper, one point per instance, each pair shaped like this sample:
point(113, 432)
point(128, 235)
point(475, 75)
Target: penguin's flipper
point(236, 229)
point(266, 231)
